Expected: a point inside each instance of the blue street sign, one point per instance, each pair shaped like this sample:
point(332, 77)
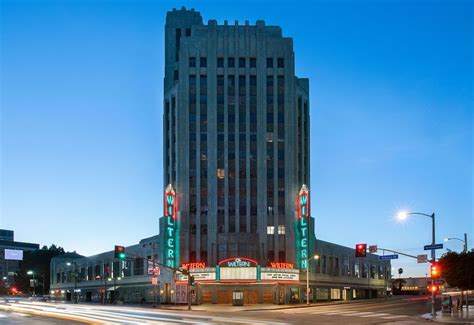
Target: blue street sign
point(388, 257)
point(435, 246)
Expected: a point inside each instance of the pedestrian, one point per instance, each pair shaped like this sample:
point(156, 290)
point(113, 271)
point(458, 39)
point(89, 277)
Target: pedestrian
point(455, 303)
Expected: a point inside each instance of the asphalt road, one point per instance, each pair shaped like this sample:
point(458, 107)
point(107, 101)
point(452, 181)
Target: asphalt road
point(392, 311)
point(14, 318)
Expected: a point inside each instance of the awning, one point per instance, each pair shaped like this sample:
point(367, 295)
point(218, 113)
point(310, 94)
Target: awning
point(113, 288)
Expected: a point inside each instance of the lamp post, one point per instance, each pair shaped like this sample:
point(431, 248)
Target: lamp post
point(307, 276)
point(404, 215)
point(115, 285)
point(75, 279)
point(463, 241)
point(34, 282)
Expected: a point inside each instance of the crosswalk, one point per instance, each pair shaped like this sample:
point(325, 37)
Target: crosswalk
point(332, 311)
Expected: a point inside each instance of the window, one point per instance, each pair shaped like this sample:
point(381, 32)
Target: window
point(269, 62)
point(188, 32)
point(220, 173)
point(280, 63)
point(241, 62)
point(176, 75)
point(270, 230)
point(192, 62)
point(203, 62)
point(220, 62)
point(281, 229)
point(253, 62)
point(138, 266)
point(230, 62)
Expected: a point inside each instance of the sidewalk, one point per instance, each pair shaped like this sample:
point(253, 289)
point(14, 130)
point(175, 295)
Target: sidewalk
point(259, 307)
point(466, 316)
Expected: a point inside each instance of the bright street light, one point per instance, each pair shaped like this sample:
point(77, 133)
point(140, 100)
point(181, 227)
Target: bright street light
point(401, 216)
point(30, 272)
point(316, 257)
point(459, 239)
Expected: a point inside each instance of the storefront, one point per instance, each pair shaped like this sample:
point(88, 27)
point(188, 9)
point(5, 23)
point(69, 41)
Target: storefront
point(257, 284)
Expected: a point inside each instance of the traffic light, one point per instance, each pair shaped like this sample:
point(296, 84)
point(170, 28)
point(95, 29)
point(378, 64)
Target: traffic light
point(361, 250)
point(191, 280)
point(433, 288)
point(435, 271)
point(120, 252)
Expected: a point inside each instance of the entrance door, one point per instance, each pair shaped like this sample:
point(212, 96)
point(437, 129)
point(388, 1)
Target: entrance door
point(224, 297)
point(251, 297)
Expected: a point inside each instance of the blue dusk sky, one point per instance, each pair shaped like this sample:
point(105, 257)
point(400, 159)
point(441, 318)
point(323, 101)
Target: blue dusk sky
point(391, 117)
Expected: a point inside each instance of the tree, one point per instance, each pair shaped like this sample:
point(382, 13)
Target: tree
point(458, 269)
point(37, 261)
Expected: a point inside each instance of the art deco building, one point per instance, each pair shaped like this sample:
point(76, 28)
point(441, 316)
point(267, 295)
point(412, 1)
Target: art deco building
point(236, 142)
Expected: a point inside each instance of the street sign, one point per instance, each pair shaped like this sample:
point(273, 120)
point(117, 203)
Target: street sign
point(154, 281)
point(373, 249)
point(435, 246)
point(154, 271)
point(422, 258)
point(388, 257)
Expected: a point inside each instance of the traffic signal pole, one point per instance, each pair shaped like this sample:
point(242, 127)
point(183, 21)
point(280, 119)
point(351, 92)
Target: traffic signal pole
point(433, 260)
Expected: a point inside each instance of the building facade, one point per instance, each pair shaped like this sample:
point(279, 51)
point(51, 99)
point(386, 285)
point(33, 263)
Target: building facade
point(11, 253)
point(236, 130)
point(236, 133)
point(103, 278)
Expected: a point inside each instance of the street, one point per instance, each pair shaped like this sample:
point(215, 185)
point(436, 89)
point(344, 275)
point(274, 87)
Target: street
point(392, 311)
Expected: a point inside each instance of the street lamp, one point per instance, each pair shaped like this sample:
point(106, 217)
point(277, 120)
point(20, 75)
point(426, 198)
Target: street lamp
point(402, 215)
point(115, 284)
point(316, 257)
point(463, 241)
point(75, 278)
point(34, 282)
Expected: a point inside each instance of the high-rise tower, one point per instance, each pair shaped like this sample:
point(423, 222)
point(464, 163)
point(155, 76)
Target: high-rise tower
point(236, 143)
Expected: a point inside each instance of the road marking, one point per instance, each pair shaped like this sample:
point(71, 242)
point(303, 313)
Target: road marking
point(22, 315)
point(376, 315)
point(359, 313)
point(339, 313)
point(3, 316)
point(394, 316)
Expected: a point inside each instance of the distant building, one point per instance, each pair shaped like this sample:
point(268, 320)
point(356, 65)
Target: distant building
point(418, 286)
point(103, 278)
point(11, 253)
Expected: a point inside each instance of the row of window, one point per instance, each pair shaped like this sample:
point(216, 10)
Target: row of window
point(100, 272)
point(231, 62)
point(271, 230)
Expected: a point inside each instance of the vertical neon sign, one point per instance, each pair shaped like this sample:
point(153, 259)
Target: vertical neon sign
point(171, 247)
point(301, 228)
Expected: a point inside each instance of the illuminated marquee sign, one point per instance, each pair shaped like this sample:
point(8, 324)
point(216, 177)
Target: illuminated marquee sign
point(195, 265)
point(281, 265)
point(171, 244)
point(302, 228)
point(280, 275)
point(238, 262)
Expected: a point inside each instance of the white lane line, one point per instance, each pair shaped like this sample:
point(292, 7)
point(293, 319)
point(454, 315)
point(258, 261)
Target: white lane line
point(376, 315)
point(394, 316)
point(359, 313)
point(22, 315)
point(340, 312)
point(3, 316)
